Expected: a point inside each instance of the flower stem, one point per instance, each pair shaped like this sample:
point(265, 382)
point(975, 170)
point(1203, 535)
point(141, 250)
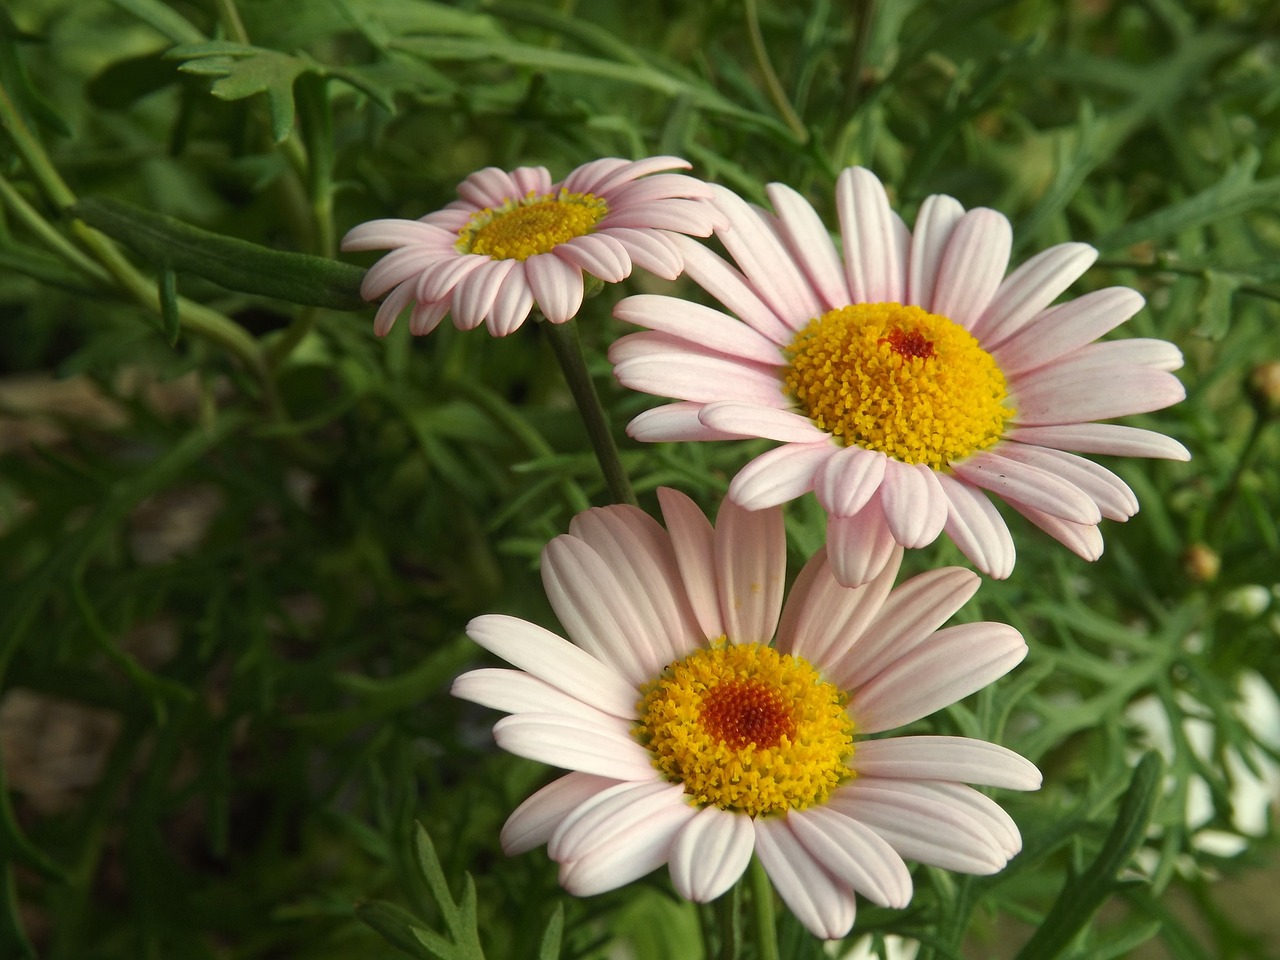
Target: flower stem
point(762, 906)
point(568, 350)
point(772, 85)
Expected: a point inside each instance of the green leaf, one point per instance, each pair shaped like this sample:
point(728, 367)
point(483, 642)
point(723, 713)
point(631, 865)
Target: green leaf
point(227, 261)
point(1235, 194)
point(552, 935)
point(459, 918)
point(1215, 306)
point(1082, 896)
point(163, 18)
point(169, 315)
point(243, 71)
point(396, 926)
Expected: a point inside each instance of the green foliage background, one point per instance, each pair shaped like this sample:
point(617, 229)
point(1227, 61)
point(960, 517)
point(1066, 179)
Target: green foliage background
point(241, 536)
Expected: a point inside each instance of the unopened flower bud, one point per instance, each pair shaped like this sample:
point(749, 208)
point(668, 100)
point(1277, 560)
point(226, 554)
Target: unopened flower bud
point(1201, 563)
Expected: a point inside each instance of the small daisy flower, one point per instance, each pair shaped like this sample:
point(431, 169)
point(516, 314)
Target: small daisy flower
point(703, 721)
point(515, 239)
point(907, 377)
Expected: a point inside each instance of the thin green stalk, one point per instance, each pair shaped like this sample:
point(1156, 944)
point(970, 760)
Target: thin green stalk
point(567, 347)
point(727, 911)
point(44, 231)
point(762, 908)
point(864, 16)
point(773, 86)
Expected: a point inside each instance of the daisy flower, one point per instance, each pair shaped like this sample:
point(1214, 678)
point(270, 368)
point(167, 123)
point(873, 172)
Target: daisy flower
point(906, 376)
point(515, 239)
point(703, 721)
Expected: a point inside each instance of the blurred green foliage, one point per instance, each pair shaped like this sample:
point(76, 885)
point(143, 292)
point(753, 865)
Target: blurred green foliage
point(241, 537)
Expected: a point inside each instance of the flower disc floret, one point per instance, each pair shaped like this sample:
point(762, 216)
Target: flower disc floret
point(897, 379)
point(537, 223)
point(747, 729)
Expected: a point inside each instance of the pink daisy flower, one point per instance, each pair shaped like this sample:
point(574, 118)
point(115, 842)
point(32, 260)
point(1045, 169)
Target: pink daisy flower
point(702, 720)
point(515, 239)
point(907, 376)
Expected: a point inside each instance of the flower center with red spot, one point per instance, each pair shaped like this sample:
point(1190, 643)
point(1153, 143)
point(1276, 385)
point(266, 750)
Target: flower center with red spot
point(908, 343)
point(740, 712)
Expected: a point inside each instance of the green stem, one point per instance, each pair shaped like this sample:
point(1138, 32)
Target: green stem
point(762, 907)
point(773, 86)
point(567, 347)
point(30, 217)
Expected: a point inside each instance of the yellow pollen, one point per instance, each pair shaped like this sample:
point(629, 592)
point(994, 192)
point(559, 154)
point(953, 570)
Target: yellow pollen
point(747, 729)
point(534, 224)
point(914, 385)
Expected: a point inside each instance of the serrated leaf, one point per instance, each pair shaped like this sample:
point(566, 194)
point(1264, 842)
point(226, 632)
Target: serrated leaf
point(243, 71)
point(396, 926)
point(227, 261)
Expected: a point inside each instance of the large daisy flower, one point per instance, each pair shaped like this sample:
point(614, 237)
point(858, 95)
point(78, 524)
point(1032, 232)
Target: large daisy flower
point(513, 239)
point(703, 721)
point(906, 377)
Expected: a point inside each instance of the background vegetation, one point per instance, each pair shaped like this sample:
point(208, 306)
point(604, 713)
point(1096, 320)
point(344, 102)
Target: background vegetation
point(241, 536)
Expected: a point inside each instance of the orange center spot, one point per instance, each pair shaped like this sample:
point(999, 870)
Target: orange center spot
point(908, 343)
point(741, 712)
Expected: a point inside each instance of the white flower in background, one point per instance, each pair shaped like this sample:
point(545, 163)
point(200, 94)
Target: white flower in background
point(1253, 776)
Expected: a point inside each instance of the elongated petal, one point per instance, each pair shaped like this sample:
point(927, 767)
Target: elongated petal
point(914, 505)
point(573, 744)
point(1061, 394)
point(650, 250)
point(674, 421)
point(935, 223)
point(823, 621)
point(849, 479)
point(391, 308)
point(751, 567)
point(611, 812)
point(972, 266)
point(533, 822)
point(779, 475)
point(693, 543)
point(514, 691)
point(860, 546)
point(393, 269)
point(603, 614)
point(955, 662)
point(556, 286)
point(1103, 438)
point(711, 329)
point(976, 527)
point(727, 284)
point(1082, 539)
point(854, 854)
point(436, 282)
point(555, 660)
point(389, 234)
point(946, 758)
point(475, 293)
point(424, 317)
point(925, 829)
point(711, 853)
point(1112, 495)
point(599, 255)
point(635, 547)
point(903, 621)
point(627, 856)
point(769, 423)
point(1031, 288)
point(512, 304)
point(822, 904)
point(490, 187)
point(759, 253)
point(666, 366)
point(811, 245)
point(1031, 485)
point(1061, 329)
point(871, 253)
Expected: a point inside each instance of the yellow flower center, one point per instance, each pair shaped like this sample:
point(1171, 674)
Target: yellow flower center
point(534, 224)
point(747, 729)
point(913, 385)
